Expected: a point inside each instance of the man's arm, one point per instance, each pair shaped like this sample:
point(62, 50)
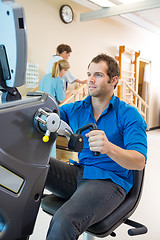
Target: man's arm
point(129, 159)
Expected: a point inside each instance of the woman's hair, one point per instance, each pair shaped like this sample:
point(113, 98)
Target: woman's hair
point(59, 66)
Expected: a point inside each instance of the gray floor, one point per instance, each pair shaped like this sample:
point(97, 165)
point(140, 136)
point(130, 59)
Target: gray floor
point(148, 211)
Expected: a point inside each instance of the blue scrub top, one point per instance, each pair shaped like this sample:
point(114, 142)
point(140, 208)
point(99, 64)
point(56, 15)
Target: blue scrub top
point(53, 86)
point(123, 126)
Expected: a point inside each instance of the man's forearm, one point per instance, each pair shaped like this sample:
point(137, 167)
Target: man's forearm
point(129, 159)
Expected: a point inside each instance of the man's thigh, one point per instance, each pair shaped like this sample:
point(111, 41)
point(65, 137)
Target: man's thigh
point(61, 179)
point(92, 201)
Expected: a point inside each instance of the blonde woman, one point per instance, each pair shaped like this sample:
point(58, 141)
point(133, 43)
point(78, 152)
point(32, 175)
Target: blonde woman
point(52, 83)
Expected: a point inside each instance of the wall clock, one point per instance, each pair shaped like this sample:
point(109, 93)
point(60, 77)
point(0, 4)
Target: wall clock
point(66, 14)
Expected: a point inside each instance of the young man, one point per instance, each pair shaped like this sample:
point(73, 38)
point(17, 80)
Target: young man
point(63, 52)
point(97, 185)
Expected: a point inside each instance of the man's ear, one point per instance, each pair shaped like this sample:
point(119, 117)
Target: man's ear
point(114, 81)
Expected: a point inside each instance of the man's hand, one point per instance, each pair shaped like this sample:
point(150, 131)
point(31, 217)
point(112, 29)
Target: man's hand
point(98, 141)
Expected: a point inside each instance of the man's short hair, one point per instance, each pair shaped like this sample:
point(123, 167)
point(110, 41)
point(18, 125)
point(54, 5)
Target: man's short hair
point(113, 67)
point(64, 47)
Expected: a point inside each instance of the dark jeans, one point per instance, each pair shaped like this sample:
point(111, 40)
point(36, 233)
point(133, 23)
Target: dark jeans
point(89, 201)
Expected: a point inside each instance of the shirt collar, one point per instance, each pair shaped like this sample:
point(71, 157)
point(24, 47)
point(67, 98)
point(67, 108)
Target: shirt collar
point(87, 102)
point(112, 103)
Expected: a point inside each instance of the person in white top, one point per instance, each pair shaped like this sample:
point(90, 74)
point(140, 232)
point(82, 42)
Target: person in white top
point(63, 52)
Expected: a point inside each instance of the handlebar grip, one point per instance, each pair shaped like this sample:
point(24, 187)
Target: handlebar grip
point(96, 154)
point(137, 231)
point(91, 126)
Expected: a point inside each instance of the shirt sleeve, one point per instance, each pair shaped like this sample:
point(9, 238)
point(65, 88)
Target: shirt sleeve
point(66, 112)
point(69, 77)
point(134, 131)
point(50, 65)
point(52, 60)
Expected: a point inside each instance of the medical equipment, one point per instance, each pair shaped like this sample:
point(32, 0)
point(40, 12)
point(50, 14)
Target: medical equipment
point(24, 157)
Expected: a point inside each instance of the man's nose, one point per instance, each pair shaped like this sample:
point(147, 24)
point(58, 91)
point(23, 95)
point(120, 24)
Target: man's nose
point(91, 78)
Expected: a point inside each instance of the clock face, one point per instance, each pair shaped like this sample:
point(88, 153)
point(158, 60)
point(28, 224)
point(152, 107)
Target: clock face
point(66, 14)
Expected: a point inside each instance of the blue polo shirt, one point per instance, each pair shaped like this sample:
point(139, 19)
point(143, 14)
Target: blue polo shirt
point(123, 126)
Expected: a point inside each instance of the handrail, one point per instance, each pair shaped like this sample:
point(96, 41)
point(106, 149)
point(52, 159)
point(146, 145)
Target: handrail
point(136, 94)
point(139, 104)
point(69, 99)
point(82, 86)
point(74, 97)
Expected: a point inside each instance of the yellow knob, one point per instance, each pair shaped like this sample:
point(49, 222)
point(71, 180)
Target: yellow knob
point(45, 138)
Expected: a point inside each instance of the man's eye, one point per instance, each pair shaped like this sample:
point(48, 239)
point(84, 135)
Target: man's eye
point(98, 75)
point(88, 74)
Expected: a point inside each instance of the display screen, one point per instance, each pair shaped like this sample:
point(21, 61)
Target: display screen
point(10, 180)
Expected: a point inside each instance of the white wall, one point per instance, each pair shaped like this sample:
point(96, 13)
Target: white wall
point(87, 39)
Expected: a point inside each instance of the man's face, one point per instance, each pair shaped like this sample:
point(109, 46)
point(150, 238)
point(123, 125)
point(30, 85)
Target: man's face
point(65, 55)
point(98, 80)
